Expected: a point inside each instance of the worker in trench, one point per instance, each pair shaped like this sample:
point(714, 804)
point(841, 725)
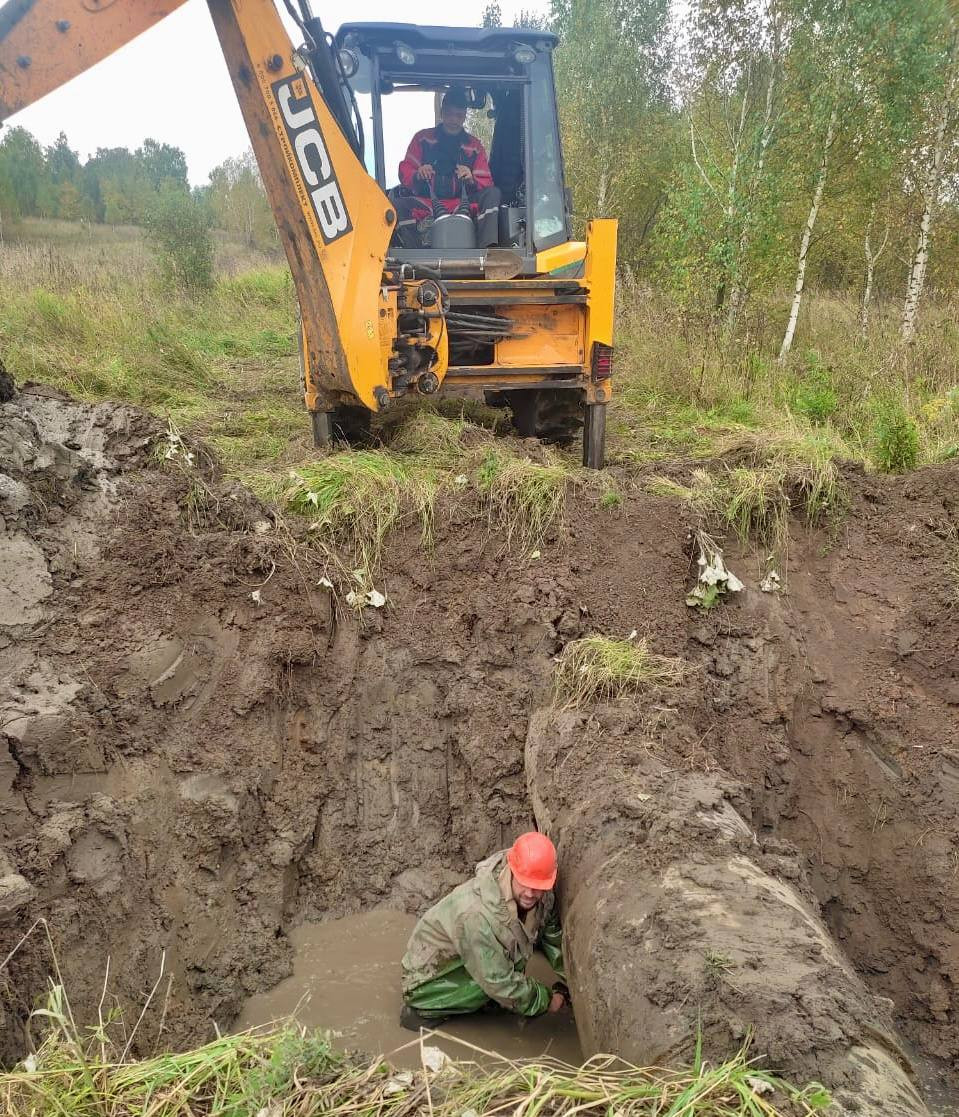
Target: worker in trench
point(469, 952)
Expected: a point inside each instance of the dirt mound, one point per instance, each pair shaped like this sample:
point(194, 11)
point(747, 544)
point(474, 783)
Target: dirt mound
point(203, 749)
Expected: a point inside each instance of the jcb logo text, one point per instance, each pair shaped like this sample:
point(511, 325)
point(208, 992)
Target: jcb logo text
point(312, 158)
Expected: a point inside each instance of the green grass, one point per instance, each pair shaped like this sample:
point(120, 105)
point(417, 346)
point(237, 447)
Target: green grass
point(680, 387)
point(438, 439)
point(763, 477)
point(287, 1071)
point(525, 500)
point(354, 499)
point(601, 669)
point(85, 313)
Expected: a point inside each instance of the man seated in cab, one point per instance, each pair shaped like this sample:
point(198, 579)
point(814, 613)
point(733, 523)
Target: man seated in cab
point(449, 158)
point(469, 951)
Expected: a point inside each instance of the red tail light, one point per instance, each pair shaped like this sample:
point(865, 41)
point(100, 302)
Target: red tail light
point(602, 361)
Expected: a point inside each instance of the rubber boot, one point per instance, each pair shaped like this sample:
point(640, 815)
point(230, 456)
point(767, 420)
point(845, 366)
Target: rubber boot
point(412, 1020)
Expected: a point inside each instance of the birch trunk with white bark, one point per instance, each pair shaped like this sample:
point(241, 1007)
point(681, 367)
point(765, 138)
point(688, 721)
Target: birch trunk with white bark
point(737, 289)
point(806, 238)
point(872, 258)
point(931, 189)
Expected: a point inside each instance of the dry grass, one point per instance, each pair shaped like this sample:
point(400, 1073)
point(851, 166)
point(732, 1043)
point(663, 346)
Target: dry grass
point(525, 500)
point(681, 388)
point(355, 499)
point(288, 1072)
point(763, 478)
point(600, 669)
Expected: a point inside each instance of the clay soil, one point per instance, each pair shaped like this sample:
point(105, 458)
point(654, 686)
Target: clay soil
point(201, 749)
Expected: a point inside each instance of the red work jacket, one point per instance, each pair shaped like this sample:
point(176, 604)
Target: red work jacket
point(426, 147)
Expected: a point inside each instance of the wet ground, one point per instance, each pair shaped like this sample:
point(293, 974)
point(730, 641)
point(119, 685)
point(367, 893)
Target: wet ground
point(346, 978)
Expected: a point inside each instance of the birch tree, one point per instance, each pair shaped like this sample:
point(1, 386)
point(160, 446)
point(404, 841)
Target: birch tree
point(859, 69)
point(872, 251)
point(932, 163)
point(612, 71)
point(733, 109)
point(808, 227)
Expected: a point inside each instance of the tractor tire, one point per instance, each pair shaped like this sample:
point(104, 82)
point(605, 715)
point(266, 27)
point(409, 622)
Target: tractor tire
point(351, 424)
point(553, 415)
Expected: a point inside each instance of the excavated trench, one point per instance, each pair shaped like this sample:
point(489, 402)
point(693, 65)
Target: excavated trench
point(202, 753)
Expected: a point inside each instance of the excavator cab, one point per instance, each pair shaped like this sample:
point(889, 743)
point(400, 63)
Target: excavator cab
point(529, 318)
point(398, 75)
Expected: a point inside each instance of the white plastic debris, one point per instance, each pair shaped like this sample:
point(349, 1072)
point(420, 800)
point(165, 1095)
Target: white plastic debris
point(714, 578)
point(398, 1083)
point(325, 583)
point(30, 1063)
point(632, 635)
point(257, 597)
point(460, 479)
point(262, 527)
point(760, 1086)
point(535, 554)
point(771, 583)
point(434, 1059)
point(175, 446)
point(368, 597)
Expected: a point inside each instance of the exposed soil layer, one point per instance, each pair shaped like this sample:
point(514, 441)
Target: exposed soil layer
point(201, 750)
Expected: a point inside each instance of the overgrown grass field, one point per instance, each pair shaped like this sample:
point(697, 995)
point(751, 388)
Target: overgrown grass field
point(81, 307)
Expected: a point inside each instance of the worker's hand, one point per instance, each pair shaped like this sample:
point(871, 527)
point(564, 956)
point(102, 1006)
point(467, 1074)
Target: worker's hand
point(426, 172)
point(557, 1003)
point(463, 173)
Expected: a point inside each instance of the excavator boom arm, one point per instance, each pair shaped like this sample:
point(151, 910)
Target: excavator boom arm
point(44, 45)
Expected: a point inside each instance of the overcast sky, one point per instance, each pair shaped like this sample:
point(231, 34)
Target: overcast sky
point(172, 84)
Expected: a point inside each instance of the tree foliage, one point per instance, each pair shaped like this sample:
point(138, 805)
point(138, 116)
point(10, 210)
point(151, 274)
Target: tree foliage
point(751, 147)
point(178, 226)
point(239, 203)
point(115, 186)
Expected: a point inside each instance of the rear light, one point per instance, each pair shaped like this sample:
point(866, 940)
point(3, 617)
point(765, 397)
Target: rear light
point(602, 361)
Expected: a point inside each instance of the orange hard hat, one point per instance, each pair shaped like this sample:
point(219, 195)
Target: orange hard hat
point(532, 861)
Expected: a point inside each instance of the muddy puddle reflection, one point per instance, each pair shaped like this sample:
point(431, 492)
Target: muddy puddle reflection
point(346, 979)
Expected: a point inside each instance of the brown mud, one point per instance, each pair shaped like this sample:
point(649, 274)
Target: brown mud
point(201, 750)
point(346, 979)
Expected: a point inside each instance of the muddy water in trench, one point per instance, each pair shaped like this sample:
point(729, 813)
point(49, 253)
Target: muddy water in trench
point(346, 978)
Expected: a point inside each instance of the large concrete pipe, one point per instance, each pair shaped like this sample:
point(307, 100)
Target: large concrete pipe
point(678, 919)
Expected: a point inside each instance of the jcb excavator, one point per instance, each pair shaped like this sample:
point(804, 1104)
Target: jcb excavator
point(528, 322)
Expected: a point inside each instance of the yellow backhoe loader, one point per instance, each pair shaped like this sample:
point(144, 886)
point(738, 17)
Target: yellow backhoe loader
point(528, 322)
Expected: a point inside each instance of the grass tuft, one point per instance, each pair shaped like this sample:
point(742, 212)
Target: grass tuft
point(355, 498)
point(525, 499)
point(433, 437)
point(600, 669)
point(766, 476)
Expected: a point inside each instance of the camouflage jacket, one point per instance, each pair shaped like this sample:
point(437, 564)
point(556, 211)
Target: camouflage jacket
point(478, 928)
